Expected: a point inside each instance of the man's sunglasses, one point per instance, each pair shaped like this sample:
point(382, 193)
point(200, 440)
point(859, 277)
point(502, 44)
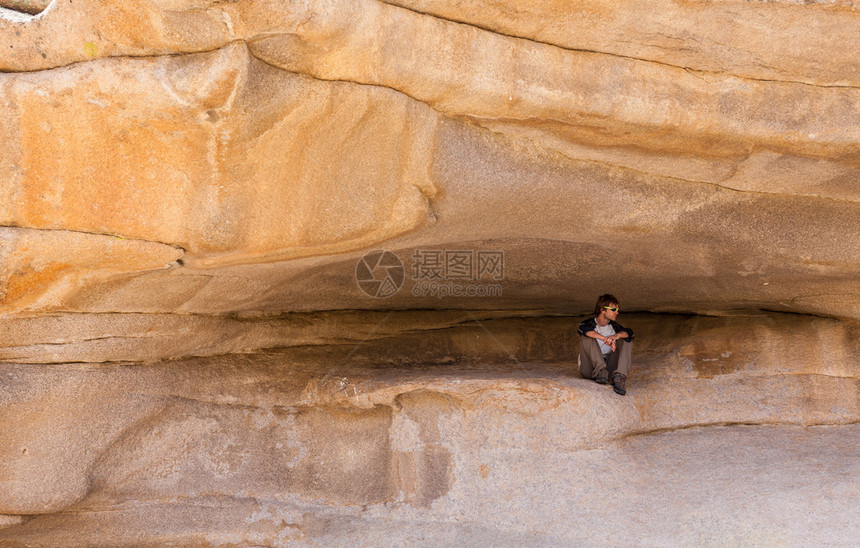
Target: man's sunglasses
point(611, 308)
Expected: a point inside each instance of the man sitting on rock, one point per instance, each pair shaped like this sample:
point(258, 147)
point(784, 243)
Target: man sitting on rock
point(605, 346)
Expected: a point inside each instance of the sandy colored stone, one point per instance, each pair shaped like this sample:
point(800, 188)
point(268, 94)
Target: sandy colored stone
point(98, 338)
point(712, 186)
point(143, 160)
point(7, 521)
point(39, 268)
point(188, 186)
point(71, 32)
point(41, 414)
point(416, 405)
point(750, 485)
point(645, 116)
point(30, 7)
point(680, 247)
point(726, 37)
point(332, 456)
point(688, 119)
point(501, 460)
point(487, 75)
point(771, 41)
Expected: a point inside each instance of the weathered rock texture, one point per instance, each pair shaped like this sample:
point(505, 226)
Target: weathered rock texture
point(416, 427)
point(187, 188)
point(321, 130)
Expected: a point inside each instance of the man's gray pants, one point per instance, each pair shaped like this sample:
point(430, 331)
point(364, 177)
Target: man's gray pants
point(592, 361)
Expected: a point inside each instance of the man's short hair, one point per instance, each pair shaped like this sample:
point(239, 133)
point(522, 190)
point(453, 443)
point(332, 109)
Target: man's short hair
point(606, 299)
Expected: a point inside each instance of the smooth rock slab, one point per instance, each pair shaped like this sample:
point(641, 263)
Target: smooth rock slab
point(363, 421)
point(737, 485)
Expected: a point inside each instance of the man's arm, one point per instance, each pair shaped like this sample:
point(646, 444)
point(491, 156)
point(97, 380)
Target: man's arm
point(622, 332)
point(585, 327)
point(612, 338)
point(598, 336)
point(609, 341)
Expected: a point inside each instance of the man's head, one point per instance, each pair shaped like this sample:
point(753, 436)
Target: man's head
point(604, 304)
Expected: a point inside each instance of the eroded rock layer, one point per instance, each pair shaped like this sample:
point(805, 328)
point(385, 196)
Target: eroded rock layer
point(322, 130)
point(731, 496)
point(407, 426)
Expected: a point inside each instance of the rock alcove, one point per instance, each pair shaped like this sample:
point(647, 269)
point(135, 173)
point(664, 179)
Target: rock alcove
point(280, 274)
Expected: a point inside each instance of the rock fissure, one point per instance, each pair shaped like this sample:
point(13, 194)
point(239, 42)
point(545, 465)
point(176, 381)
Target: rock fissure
point(250, 40)
point(92, 233)
point(692, 70)
point(707, 425)
point(483, 124)
point(71, 342)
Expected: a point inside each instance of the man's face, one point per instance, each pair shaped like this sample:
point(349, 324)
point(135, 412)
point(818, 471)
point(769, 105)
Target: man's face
point(608, 313)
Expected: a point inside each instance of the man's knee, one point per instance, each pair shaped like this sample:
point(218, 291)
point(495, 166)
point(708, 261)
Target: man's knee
point(588, 342)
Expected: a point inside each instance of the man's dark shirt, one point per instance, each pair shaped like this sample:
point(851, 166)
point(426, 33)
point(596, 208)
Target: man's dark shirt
point(591, 325)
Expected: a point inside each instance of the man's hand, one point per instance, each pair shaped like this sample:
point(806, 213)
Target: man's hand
point(610, 340)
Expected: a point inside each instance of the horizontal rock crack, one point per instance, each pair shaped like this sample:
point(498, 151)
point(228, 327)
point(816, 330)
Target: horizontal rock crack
point(620, 56)
point(88, 233)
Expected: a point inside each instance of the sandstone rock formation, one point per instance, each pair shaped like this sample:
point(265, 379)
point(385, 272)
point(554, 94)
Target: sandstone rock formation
point(323, 130)
point(188, 187)
point(421, 427)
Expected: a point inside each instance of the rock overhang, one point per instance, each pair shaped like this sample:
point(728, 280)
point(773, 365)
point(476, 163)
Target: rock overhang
point(276, 160)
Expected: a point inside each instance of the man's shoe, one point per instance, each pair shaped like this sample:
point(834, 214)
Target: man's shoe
point(618, 384)
point(602, 377)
